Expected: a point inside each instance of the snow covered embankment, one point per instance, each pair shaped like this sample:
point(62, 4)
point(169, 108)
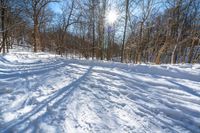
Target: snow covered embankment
point(43, 93)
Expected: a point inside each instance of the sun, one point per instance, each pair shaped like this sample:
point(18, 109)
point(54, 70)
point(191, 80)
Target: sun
point(111, 16)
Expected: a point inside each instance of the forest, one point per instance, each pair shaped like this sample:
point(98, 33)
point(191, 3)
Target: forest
point(99, 66)
point(129, 31)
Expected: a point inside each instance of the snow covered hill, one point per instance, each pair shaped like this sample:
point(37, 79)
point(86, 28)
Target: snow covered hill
point(44, 93)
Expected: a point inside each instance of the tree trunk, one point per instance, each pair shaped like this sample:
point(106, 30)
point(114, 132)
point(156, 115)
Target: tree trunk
point(102, 34)
point(2, 26)
point(196, 54)
point(36, 36)
point(124, 36)
point(108, 46)
point(160, 52)
point(190, 55)
point(173, 53)
point(93, 30)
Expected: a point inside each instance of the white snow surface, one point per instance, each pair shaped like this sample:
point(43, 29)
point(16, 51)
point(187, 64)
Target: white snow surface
point(44, 93)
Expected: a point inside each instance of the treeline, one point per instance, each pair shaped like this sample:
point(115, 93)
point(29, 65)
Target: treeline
point(149, 31)
point(171, 37)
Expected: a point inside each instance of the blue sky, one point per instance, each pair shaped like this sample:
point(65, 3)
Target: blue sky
point(55, 7)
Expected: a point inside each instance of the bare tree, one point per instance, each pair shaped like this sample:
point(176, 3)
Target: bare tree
point(3, 6)
point(124, 34)
point(33, 9)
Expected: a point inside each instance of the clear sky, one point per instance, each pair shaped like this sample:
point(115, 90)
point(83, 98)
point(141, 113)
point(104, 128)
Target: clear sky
point(55, 7)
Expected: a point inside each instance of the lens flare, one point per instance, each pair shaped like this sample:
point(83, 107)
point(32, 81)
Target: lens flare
point(111, 16)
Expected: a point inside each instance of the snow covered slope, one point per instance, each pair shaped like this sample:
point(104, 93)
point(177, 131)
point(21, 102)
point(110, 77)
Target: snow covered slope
point(43, 93)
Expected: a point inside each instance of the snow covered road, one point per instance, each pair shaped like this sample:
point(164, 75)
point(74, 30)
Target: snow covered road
point(42, 93)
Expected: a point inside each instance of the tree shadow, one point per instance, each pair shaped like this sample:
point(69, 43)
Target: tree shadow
point(59, 95)
point(144, 94)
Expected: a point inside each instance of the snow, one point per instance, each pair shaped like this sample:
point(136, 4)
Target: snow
point(42, 92)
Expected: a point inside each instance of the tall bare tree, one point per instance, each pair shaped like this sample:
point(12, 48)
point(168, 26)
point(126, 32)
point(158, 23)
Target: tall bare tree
point(33, 9)
point(124, 34)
